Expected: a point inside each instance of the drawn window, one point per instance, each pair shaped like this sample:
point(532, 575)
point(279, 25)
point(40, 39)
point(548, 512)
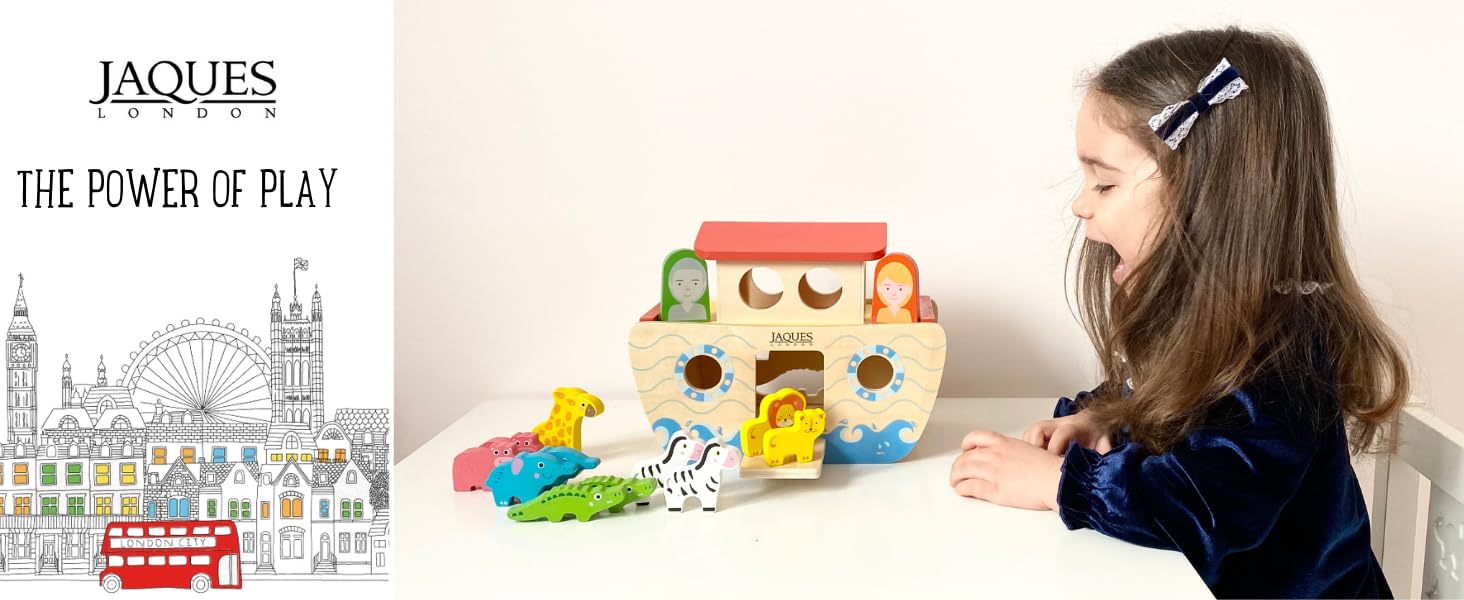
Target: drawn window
point(48, 474)
point(239, 476)
point(22, 505)
point(250, 454)
point(222, 531)
point(322, 455)
point(340, 455)
point(156, 561)
point(244, 510)
point(76, 505)
point(2, 504)
point(103, 474)
point(129, 505)
point(325, 509)
point(188, 454)
point(219, 454)
point(213, 509)
point(345, 544)
point(360, 543)
point(177, 560)
point(103, 505)
point(73, 473)
point(247, 539)
point(264, 509)
point(351, 477)
point(2, 473)
point(292, 442)
point(129, 473)
point(345, 508)
point(50, 505)
point(160, 455)
point(233, 509)
point(201, 559)
point(359, 512)
point(276, 457)
point(21, 474)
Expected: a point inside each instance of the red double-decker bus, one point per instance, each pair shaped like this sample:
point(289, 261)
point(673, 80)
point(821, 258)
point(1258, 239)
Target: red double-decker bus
point(198, 555)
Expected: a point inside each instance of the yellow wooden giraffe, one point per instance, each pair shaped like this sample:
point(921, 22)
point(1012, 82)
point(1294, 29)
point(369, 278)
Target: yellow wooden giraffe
point(571, 406)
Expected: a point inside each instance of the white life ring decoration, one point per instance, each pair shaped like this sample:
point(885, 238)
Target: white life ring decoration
point(704, 395)
point(897, 380)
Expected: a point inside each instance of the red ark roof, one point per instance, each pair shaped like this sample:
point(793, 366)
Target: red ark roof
point(827, 242)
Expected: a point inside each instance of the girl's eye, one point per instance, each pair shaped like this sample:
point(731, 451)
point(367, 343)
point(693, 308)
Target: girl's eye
point(1100, 188)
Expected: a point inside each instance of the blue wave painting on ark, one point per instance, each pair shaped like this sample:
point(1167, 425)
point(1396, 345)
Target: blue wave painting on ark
point(870, 445)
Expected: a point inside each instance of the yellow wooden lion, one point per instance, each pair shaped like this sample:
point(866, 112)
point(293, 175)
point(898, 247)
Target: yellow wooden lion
point(775, 411)
point(796, 441)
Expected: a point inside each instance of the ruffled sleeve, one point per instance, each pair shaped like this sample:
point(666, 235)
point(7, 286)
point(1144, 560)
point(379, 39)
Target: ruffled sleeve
point(1216, 492)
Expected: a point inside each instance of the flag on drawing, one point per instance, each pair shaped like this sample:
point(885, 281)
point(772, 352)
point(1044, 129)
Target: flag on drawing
point(302, 264)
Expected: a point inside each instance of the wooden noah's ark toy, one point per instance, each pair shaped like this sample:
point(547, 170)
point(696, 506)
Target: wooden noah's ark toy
point(791, 312)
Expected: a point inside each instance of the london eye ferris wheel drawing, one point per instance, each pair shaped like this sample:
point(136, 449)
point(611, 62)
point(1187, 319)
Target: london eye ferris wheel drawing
point(211, 371)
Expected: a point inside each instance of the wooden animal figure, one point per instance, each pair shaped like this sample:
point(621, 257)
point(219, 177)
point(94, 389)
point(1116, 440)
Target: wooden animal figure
point(527, 475)
point(571, 406)
point(896, 290)
point(635, 488)
point(470, 467)
point(776, 410)
point(796, 441)
point(679, 450)
point(700, 481)
point(684, 287)
point(580, 500)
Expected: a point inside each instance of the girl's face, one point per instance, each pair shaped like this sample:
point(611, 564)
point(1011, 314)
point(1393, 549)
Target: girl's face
point(1120, 202)
point(893, 294)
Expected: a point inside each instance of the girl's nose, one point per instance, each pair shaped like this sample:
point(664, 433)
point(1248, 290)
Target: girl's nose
point(1082, 208)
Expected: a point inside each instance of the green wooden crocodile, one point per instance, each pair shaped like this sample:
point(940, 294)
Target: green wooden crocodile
point(583, 500)
point(635, 488)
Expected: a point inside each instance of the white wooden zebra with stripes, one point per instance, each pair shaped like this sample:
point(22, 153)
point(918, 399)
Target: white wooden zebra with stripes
point(679, 452)
point(702, 480)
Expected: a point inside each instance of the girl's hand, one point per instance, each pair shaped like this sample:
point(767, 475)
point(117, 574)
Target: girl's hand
point(1056, 434)
point(1006, 471)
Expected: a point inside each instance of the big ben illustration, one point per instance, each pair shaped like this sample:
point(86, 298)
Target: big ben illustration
point(21, 364)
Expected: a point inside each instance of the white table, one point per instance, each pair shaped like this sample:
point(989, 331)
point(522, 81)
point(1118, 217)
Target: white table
point(858, 531)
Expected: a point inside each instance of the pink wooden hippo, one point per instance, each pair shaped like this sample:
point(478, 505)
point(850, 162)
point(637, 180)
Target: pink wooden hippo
point(471, 467)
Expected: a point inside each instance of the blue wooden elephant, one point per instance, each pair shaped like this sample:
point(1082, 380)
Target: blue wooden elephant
point(529, 474)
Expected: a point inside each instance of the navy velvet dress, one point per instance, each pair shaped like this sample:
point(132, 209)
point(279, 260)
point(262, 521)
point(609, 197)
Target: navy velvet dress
point(1262, 500)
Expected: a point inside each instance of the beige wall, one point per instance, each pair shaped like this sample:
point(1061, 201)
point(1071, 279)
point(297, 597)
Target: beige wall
point(548, 158)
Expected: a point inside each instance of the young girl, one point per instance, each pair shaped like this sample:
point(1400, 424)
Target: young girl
point(1240, 353)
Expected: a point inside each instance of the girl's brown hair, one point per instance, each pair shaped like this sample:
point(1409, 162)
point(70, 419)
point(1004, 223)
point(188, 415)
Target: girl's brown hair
point(1250, 203)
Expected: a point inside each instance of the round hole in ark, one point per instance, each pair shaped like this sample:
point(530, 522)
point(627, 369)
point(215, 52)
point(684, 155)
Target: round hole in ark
point(760, 287)
point(875, 372)
point(820, 288)
point(702, 372)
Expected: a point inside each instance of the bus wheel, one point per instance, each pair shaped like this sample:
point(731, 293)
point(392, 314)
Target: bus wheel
point(111, 583)
point(199, 584)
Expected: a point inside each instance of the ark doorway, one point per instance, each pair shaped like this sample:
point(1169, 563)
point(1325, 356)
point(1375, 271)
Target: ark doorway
point(802, 370)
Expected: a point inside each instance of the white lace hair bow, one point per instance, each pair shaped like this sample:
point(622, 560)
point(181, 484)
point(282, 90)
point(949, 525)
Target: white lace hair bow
point(1173, 123)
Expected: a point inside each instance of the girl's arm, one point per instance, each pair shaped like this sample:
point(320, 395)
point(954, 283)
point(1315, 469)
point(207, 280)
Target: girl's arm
point(1217, 492)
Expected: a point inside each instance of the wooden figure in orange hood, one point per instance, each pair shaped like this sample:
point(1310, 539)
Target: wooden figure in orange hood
point(896, 290)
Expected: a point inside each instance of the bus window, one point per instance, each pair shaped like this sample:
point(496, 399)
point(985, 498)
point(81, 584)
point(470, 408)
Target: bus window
point(155, 531)
point(134, 531)
point(198, 560)
point(177, 560)
point(117, 532)
point(200, 530)
point(178, 531)
point(133, 561)
point(156, 561)
point(222, 531)
point(114, 561)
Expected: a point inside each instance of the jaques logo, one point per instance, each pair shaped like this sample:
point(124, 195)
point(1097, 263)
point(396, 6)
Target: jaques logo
point(198, 89)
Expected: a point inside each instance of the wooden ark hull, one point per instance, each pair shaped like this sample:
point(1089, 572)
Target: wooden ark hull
point(876, 382)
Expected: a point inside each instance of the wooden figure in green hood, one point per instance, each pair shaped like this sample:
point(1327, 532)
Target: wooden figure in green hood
point(684, 287)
